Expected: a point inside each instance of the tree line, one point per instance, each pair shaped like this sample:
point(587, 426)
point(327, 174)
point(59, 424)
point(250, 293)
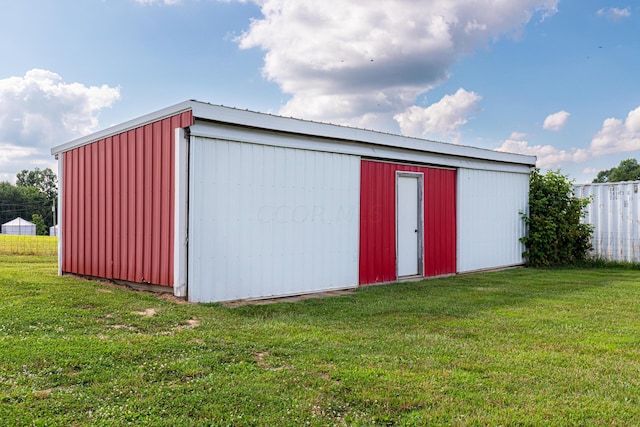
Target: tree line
point(33, 197)
point(627, 170)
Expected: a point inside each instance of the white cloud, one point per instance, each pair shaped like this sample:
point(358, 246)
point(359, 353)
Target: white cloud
point(548, 156)
point(40, 110)
point(614, 13)
point(556, 121)
point(12, 155)
point(590, 171)
point(615, 136)
point(346, 61)
point(441, 119)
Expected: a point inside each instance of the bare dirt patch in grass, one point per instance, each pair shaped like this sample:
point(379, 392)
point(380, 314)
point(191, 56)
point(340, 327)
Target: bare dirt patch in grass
point(149, 312)
point(191, 324)
point(44, 394)
point(292, 298)
point(172, 298)
point(261, 357)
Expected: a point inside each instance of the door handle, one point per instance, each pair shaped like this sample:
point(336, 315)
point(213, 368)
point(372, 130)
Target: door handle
point(415, 231)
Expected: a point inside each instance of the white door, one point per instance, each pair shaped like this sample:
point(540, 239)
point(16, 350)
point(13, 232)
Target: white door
point(408, 225)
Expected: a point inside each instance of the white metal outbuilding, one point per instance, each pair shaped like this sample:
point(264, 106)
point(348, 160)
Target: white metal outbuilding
point(614, 212)
point(19, 226)
point(224, 204)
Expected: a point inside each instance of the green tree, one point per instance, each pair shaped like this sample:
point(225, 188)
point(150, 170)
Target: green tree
point(627, 170)
point(35, 192)
point(41, 227)
point(555, 234)
point(44, 180)
point(11, 202)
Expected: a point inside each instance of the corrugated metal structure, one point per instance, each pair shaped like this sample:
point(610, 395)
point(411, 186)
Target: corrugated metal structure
point(117, 217)
point(19, 227)
point(378, 225)
point(489, 203)
point(223, 204)
point(614, 212)
point(285, 220)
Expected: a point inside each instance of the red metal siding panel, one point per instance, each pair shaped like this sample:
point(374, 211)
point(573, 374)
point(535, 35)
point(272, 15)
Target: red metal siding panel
point(166, 133)
point(84, 238)
point(108, 189)
point(130, 213)
point(94, 225)
point(102, 211)
point(114, 228)
point(378, 221)
point(139, 218)
point(439, 222)
point(70, 165)
point(156, 229)
point(118, 205)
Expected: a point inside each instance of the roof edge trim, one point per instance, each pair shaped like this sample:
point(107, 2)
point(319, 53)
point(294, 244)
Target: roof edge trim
point(251, 119)
point(237, 117)
point(123, 127)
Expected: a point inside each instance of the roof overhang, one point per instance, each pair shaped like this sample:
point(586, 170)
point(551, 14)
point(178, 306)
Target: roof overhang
point(286, 125)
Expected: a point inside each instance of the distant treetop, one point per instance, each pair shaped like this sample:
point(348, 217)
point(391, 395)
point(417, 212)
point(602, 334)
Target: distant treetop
point(44, 180)
point(627, 170)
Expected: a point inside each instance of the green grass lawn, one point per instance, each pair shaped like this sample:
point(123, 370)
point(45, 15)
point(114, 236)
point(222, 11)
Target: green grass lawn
point(518, 347)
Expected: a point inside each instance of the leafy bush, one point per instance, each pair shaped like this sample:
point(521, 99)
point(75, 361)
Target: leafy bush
point(555, 234)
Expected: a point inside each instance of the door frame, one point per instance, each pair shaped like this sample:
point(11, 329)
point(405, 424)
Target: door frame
point(420, 196)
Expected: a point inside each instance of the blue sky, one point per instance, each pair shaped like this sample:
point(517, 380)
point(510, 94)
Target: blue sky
point(554, 78)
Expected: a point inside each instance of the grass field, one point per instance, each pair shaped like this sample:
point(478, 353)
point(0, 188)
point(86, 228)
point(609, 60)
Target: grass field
point(518, 347)
point(28, 245)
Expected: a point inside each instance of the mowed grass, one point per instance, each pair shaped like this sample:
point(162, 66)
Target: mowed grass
point(517, 347)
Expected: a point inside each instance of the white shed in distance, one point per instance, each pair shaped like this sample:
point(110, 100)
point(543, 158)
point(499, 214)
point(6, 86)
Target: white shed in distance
point(19, 226)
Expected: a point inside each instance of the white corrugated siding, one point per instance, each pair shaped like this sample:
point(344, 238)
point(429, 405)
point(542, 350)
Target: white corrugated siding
point(270, 221)
point(615, 215)
point(489, 222)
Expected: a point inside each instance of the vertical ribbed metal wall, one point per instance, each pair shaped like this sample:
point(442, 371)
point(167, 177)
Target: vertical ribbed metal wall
point(489, 221)
point(615, 214)
point(378, 220)
point(118, 205)
point(270, 221)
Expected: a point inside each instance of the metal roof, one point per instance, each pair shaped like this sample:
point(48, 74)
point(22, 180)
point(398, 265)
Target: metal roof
point(19, 222)
point(251, 119)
